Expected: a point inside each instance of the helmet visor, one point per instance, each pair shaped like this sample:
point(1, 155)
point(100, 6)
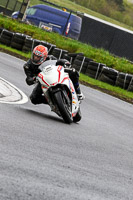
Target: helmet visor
point(36, 59)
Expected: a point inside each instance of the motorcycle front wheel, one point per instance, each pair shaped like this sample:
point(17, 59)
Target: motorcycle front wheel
point(64, 106)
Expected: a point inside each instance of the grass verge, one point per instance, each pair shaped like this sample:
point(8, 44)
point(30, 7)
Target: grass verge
point(72, 46)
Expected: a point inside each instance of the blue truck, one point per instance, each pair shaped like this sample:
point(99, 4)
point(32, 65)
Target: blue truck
point(53, 19)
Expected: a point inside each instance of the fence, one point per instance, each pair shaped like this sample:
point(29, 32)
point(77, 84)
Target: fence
point(9, 6)
point(101, 34)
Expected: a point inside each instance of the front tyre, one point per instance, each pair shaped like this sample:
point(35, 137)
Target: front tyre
point(64, 106)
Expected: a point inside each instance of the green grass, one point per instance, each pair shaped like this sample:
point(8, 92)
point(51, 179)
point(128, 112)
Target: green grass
point(25, 55)
point(73, 46)
point(75, 7)
point(99, 55)
point(113, 90)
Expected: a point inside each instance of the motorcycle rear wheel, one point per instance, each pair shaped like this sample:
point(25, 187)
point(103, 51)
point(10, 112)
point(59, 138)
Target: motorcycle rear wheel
point(64, 107)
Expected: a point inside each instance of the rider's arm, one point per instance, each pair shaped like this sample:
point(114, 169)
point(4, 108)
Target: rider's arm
point(30, 80)
point(74, 75)
point(72, 71)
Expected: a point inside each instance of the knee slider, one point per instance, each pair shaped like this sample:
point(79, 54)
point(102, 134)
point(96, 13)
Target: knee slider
point(33, 100)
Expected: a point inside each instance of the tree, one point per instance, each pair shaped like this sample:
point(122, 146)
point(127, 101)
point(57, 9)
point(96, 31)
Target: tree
point(119, 3)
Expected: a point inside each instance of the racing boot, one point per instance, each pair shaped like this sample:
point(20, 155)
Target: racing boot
point(79, 94)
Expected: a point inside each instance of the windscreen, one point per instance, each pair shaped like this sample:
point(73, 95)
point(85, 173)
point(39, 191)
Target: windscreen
point(46, 63)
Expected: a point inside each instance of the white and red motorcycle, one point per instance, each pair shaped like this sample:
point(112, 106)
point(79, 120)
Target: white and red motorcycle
point(59, 91)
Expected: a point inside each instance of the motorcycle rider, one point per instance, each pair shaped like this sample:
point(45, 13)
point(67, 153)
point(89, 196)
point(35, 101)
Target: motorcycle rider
point(31, 69)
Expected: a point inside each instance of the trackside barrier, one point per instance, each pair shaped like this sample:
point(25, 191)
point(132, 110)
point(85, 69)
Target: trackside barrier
point(78, 61)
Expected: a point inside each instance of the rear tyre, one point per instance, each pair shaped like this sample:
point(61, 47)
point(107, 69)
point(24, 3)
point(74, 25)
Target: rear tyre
point(64, 106)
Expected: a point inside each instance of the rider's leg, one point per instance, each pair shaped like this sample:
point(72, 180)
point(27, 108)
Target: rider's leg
point(74, 76)
point(36, 96)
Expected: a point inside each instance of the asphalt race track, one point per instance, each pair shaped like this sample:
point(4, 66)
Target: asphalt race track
point(42, 158)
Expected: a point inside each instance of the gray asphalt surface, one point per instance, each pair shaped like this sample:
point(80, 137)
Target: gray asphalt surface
point(42, 158)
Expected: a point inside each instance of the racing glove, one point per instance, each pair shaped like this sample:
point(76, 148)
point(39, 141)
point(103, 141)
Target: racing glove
point(31, 80)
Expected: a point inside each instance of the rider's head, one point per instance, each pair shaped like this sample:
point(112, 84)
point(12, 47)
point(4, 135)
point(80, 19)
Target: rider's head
point(39, 54)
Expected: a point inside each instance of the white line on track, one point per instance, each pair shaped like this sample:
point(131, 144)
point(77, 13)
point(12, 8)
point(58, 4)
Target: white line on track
point(11, 94)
